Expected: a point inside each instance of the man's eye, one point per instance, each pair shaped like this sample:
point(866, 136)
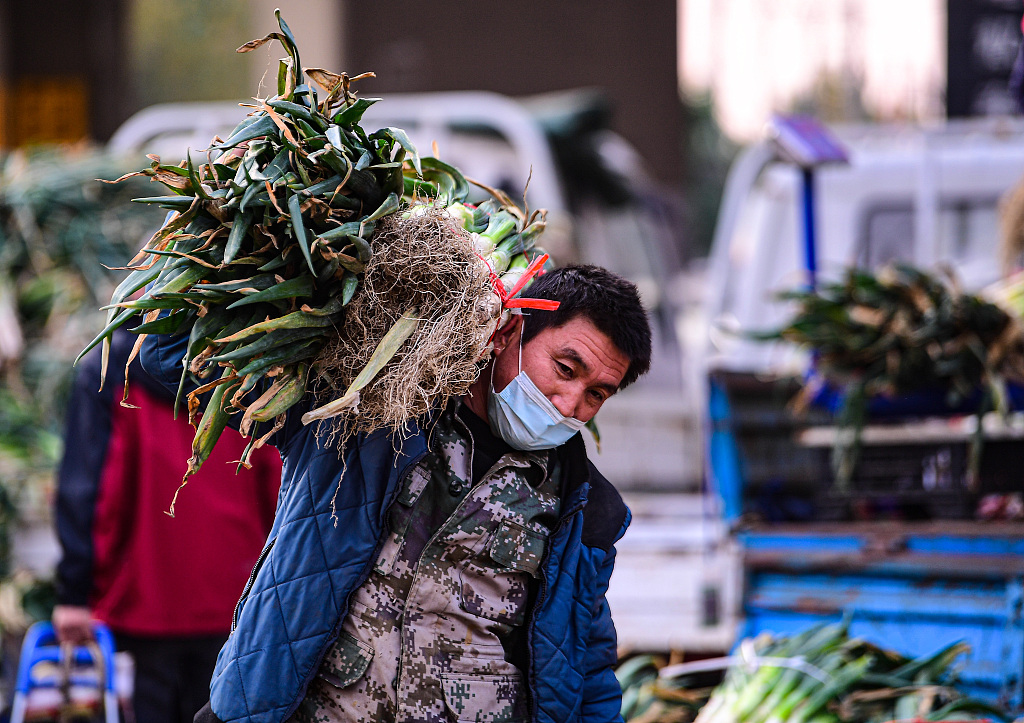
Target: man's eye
point(596, 396)
point(564, 369)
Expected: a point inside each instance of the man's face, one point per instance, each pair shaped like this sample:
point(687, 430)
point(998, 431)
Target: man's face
point(575, 365)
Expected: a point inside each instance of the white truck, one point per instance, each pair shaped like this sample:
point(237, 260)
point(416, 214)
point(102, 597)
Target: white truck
point(921, 195)
point(899, 551)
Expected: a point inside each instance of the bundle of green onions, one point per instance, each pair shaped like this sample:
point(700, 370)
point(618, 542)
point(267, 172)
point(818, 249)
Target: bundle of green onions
point(900, 331)
point(302, 229)
point(821, 675)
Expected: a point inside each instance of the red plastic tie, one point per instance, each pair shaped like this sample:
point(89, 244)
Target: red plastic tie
point(507, 296)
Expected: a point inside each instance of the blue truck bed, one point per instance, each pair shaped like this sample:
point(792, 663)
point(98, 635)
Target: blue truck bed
point(912, 587)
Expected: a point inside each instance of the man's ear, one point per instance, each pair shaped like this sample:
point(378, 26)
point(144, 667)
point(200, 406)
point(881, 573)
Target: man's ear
point(507, 334)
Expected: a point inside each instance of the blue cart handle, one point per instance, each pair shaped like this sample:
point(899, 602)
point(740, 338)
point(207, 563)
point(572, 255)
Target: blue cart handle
point(41, 644)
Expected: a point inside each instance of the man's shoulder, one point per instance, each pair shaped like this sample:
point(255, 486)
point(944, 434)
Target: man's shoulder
point(605, 512)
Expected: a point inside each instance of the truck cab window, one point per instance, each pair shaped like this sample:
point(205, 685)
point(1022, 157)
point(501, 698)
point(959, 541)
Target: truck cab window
point(887, 236)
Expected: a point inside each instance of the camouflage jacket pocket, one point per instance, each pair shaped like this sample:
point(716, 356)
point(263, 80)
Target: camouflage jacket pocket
point(484, 698)
point(346, 661)
point(517, 547)
point(496, 584)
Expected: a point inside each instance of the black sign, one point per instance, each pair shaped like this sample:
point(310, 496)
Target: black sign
point(983, 39)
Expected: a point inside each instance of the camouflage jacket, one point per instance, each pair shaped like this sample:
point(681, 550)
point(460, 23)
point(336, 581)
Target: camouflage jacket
point(426, 633)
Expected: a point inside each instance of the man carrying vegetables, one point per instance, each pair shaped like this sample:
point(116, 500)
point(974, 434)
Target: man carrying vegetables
point(458, 573)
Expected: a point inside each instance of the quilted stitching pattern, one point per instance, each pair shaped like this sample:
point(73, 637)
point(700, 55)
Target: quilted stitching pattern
point(573, 640)
point(319, 557)
point(558, 679)
point(288, 620)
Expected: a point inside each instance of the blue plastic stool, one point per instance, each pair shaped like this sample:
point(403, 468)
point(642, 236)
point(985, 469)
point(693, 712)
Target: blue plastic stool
point(40, 645)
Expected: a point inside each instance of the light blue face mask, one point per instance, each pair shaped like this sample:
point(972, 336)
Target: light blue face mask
point(526, 419)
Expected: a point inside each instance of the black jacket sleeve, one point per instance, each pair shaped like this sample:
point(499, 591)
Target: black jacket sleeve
point(86, 437)
point(161, 358)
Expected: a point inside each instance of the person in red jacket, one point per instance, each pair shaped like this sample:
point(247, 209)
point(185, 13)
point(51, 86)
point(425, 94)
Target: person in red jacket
point(166, 587)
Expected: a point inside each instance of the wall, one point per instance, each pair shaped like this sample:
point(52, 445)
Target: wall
point(62, 75)
point(530, 47)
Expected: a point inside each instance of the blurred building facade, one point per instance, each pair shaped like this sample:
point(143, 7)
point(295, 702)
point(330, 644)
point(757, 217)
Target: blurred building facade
point(628, 51)
point(74, 71)
point(71, 70)
point(62, 71)
point(984, 39)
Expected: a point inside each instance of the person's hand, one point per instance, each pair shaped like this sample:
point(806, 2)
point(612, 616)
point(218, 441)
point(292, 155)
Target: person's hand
point(206, 715)
point(72, 624)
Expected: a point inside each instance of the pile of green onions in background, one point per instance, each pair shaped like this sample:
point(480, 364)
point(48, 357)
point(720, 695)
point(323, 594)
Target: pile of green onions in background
point(900, 331)
point(268, 238)
point(819, 676)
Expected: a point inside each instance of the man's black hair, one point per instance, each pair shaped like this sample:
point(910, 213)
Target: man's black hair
point(609, 301)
